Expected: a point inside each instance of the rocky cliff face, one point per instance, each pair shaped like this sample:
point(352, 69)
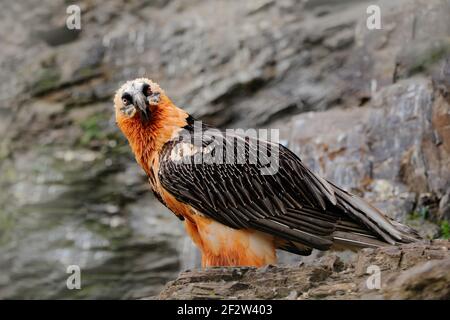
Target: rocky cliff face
point(367, 109)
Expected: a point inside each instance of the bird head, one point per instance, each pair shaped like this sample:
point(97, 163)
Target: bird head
point(147, 117)
point(137, 99)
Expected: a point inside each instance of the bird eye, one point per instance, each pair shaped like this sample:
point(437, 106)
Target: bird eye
point(146, 90)
point(126, 99)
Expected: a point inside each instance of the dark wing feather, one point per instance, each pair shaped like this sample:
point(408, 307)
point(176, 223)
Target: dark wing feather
point(293, 204)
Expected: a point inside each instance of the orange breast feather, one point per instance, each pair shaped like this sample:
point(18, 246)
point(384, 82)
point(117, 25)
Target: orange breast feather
point(221, 245)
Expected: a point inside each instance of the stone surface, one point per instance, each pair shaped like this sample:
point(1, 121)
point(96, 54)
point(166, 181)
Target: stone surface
point(414, 271)
point(425, 281)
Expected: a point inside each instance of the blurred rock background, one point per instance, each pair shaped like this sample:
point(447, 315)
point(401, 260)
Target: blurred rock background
point(368, 109)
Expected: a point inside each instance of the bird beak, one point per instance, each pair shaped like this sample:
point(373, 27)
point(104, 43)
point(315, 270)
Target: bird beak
point(142, 105)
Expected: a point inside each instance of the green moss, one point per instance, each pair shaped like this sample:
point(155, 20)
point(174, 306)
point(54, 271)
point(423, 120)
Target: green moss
point(96, 129)
point(445, 229)
point(92, 130)
point(420, 214)
point(48, 79)
point(4, 149)
point(86, 73)
point(429, 57)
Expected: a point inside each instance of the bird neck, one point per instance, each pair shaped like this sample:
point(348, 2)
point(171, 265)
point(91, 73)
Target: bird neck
point(147, 139)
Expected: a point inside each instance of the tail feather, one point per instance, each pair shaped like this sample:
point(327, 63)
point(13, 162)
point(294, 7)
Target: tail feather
point(350, 235)
point(350, 240)
point(408, 234)
point(378, 225)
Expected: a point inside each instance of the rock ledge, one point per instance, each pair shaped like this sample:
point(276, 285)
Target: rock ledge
point(414, 271)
